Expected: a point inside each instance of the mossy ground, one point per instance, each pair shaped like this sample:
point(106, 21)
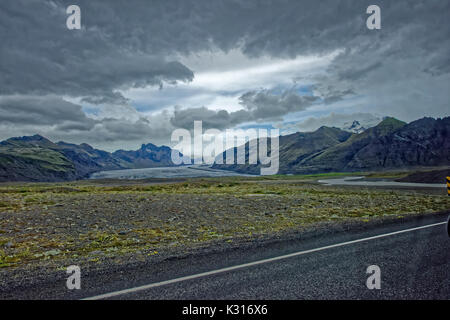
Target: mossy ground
point(88, 220)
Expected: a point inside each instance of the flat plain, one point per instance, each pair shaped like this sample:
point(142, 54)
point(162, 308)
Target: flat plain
point(48, 226)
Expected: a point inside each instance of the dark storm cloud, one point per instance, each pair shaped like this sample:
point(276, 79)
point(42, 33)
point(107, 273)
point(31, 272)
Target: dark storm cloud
point(113, 132)
point(264, 105)
point(62, 120)
point(128, 44)
point(40, 56)
point(221, 119)
point(42, 110)
point(259, 106)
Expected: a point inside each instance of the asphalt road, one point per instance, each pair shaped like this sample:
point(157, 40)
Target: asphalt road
point(414, 264)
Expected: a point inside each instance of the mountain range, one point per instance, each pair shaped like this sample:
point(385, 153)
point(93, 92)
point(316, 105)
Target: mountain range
point(392, 144)
point(35, 158)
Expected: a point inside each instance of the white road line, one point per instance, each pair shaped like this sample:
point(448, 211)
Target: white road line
point(245, 265)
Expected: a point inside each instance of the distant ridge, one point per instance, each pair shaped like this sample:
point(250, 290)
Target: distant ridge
point(392, 144)
point(36, 158)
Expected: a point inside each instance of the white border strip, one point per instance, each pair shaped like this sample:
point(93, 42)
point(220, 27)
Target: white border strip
point(245, 265)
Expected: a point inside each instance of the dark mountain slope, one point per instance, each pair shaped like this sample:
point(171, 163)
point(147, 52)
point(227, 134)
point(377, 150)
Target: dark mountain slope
point(147, 156)
point(392, 144)
point(87, 160)
point(425, 142)
point(35, 158)
point(294, 148)
point(345, 156)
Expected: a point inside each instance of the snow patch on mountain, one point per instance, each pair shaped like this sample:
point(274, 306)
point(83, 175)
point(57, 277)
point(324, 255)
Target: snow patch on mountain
point(355, 122)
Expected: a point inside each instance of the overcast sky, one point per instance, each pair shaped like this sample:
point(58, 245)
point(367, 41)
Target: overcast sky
point(139, 69)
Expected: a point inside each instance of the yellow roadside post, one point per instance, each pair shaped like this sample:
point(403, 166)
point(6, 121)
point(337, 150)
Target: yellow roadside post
point(448, 193)
point(448, 186)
